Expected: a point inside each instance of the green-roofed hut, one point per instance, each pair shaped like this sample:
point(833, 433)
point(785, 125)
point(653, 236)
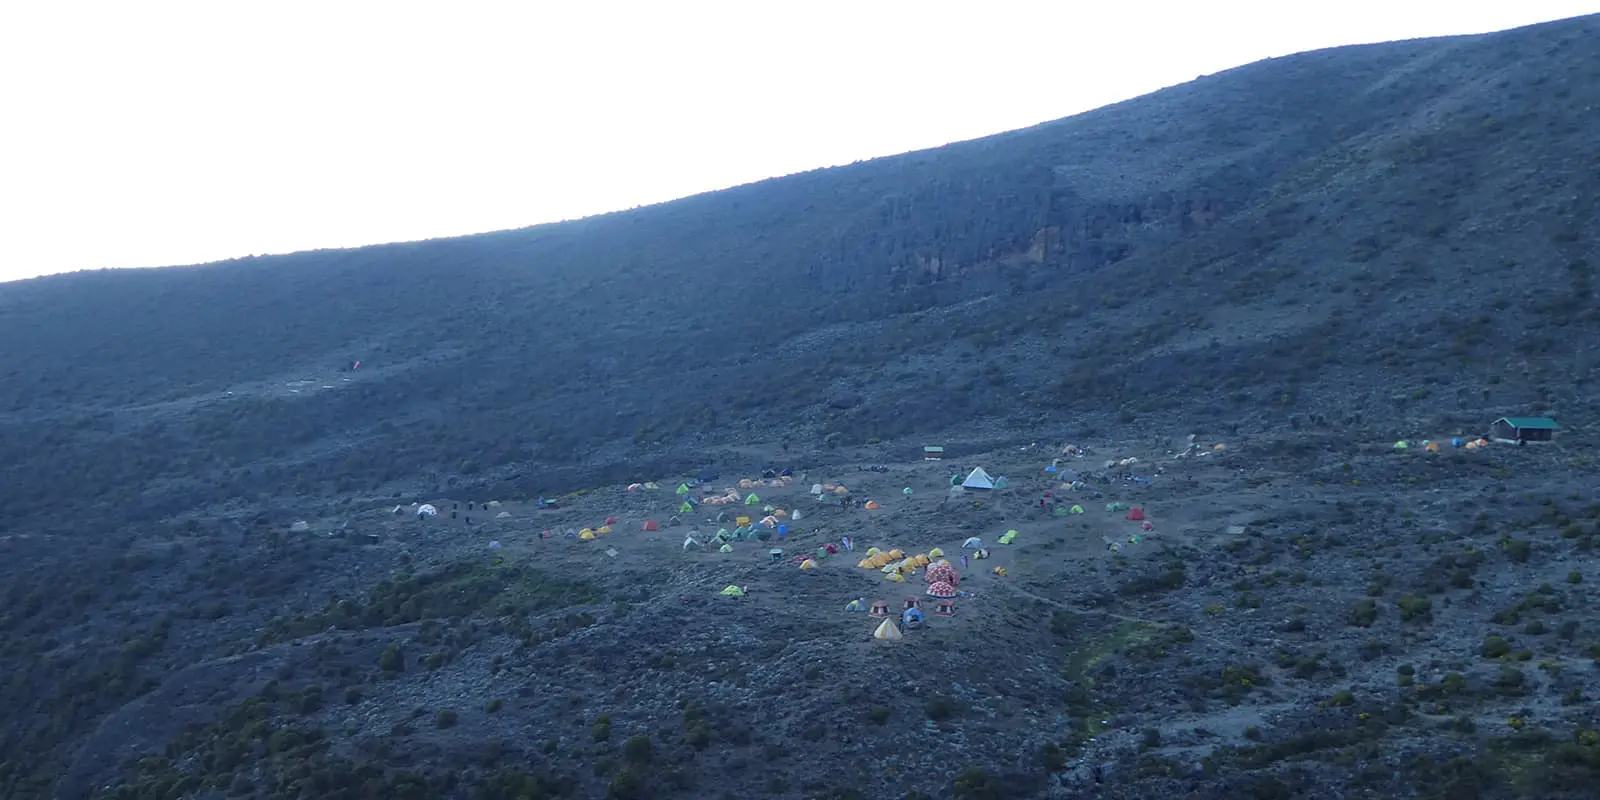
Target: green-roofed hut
point(1524, 430)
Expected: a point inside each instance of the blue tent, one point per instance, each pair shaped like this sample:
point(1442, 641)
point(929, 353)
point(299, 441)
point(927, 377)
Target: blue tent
point(912, 616)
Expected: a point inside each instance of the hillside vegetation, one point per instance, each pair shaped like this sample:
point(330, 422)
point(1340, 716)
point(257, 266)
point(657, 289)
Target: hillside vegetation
point(1306, 258)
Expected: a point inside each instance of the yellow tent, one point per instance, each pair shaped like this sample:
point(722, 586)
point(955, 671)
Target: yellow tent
point(586, 535)
point(604, 529)
point(935, 553)
point(896, 577)
point(808, 564)
point(888, 631)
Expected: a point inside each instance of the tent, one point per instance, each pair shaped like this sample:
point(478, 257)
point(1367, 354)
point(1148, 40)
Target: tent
point(888, 631)
point(727, 548)
point(972, 542)
point(683, 488)
point(911, 617)
point(1009, 537)
point(650, 525)
point(858, 604)
point(427, 510)
point(752, 500)
point(978, 479)
point(733, 591)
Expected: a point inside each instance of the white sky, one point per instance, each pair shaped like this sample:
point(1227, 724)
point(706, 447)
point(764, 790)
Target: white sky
point(154, 133)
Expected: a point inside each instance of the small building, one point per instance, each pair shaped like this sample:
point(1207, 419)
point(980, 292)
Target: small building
point(1523, 430)
point(947, 607)
point(933, 453)
point(912, 602)
point(880, 608)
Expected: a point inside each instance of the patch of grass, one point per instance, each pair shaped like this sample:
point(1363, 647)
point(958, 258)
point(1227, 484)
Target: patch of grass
point(459, 590)
point(1364, 613)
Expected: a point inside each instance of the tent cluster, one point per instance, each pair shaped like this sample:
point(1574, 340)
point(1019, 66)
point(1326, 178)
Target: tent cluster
point(743, 492)
point(895, 564)
point(591, 534)
point(1194, 449)
point(646, 486)
point(822, 490)
point(1429, 446)
point(810, 561)
point(942, 580)
point(1131, 514)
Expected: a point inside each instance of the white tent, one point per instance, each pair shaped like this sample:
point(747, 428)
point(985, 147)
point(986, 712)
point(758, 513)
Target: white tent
point(978, 479)
point(888, 631)
point(427, 510)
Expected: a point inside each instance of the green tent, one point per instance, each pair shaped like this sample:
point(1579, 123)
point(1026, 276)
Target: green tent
point(752, 500)
point(683, 488)
point(685, 508)
point(727, 548)
point(733, 591)
point(1009, 537)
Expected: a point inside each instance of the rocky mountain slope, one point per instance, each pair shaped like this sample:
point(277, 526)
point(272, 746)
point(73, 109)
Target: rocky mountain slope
point(1313, 238)
point(1308, 255)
